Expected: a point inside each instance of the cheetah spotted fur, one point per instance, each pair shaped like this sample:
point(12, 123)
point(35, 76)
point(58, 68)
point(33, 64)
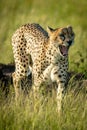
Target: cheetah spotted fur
point(42, 53)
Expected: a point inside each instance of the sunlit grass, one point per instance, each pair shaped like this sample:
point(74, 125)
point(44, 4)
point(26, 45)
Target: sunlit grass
point(24, 115)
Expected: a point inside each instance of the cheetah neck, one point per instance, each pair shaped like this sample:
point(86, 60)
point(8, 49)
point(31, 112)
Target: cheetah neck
point(54, 54)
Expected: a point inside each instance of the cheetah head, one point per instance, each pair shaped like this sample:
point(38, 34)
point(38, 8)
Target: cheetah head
point(61, 38)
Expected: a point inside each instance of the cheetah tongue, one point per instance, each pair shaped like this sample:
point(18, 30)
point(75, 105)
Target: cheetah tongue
point(63, 50)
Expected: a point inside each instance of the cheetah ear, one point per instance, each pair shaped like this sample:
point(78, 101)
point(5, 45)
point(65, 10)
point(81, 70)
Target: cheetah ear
point(69, 27)
point(50, 30)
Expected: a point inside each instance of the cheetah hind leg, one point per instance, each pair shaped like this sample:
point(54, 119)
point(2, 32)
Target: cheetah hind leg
point(22, 86)
point(26, 83)
point(16, 83)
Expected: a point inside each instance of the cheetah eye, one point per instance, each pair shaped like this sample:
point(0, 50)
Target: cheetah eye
point(62, 37)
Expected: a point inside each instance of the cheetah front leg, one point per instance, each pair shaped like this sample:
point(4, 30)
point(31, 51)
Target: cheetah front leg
point(60, 80)
point(60, 97)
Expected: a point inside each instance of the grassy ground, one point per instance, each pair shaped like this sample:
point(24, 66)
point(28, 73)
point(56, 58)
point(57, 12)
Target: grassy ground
point(25, 116)
point(56, 13)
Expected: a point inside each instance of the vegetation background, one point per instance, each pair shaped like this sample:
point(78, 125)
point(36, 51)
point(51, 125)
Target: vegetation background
point(57, 13)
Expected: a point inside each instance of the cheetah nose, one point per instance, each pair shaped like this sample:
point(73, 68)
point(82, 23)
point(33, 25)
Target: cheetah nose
point(70, 42)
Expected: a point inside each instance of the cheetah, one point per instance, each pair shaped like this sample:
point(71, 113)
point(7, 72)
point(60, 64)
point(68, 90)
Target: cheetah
point(44, 54)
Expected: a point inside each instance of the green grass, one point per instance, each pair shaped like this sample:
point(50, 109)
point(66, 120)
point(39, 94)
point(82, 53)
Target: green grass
point(42, 115)
point(56, 13)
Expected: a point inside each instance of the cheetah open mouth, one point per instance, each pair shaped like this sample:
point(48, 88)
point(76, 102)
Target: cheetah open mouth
point(63, 50)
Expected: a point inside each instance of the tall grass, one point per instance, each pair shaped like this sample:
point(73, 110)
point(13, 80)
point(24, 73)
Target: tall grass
point(24, 115)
